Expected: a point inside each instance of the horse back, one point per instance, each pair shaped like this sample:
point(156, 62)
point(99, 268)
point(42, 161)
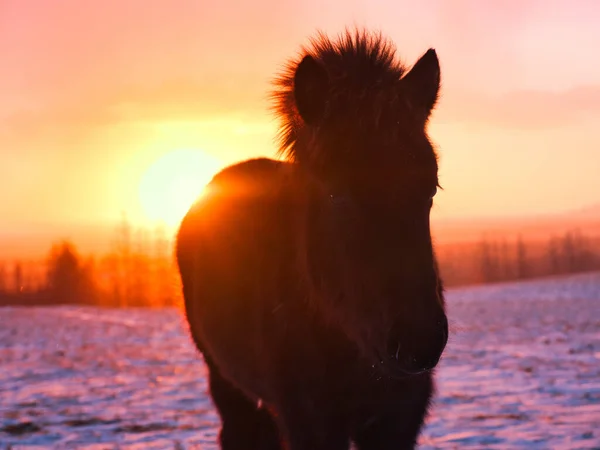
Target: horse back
point(233, 248)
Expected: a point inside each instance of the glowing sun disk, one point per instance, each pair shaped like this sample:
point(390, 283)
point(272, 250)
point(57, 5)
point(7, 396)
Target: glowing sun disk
point(173, 182)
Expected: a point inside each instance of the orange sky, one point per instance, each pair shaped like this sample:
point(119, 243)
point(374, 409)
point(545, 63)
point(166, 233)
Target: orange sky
point(94, 92)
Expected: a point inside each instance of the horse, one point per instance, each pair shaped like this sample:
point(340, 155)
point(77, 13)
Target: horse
point(310, 281)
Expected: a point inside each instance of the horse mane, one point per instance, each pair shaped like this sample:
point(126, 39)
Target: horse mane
point(356, 61)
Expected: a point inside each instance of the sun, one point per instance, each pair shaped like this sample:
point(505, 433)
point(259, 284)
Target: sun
point(173, 182)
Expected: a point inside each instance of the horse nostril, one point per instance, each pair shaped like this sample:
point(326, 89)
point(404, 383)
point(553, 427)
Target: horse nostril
point(429, 358)
point(423, 365)
point(395, 349)
point(397, 355)
point(418, 349)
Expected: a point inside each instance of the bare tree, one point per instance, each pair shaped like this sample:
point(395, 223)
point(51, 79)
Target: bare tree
point(140, 276)
point(505, 261)
point(166, 276)
point(112, 276)
point(18, 277)
point(3, 278)
point(124, 261)
point(523, 268)
point(553, 255)
point(489, 261)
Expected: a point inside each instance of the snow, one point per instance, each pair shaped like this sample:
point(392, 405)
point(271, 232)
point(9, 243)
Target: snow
point(521, 370)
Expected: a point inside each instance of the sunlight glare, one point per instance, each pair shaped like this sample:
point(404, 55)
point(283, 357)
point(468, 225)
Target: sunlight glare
point(173, 182)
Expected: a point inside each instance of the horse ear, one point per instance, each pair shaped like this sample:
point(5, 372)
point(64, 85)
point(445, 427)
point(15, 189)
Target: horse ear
point(311, 85)
point(422, 83)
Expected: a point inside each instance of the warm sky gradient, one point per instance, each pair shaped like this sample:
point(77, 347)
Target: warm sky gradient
point(94, 92)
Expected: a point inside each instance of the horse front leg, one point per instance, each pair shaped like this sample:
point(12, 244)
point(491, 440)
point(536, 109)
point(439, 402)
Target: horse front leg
point(306, 427)
point(390, 433)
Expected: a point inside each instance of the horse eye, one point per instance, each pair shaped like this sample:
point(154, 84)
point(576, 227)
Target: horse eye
point(433, 192)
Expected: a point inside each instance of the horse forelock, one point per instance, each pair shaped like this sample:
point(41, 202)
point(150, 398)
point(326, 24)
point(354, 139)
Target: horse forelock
point(358, 62)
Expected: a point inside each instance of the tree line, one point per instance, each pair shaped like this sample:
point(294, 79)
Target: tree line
point(500, 259)
point(139, 270)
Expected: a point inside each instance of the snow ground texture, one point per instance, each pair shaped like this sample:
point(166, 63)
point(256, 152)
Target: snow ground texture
point(521, 370)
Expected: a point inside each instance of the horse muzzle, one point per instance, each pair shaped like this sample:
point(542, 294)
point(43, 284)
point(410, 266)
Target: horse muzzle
point(416, 347)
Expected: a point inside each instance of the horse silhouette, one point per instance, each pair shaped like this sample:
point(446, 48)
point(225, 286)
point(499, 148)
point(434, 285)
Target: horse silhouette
point(310, 281)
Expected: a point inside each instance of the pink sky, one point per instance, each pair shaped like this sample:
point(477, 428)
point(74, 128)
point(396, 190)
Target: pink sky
point(94, 92)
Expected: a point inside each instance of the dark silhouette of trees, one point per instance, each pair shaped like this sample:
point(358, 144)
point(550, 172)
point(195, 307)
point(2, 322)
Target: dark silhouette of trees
point(490, 264)
point(569, 256)
point(522, 264)
point(139, 275)
point(505, 260)
point(3, 278)
point(502, 260)
point(123, 253)
point(553, 256)
point(68, 279)
point(579, 254)
point(140, 269)
point(164, 270)
point(18, 277)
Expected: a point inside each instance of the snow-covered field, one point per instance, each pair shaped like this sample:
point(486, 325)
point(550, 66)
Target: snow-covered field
point(522, 370)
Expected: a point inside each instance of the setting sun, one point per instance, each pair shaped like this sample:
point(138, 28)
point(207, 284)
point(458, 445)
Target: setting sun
point(173, 182)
